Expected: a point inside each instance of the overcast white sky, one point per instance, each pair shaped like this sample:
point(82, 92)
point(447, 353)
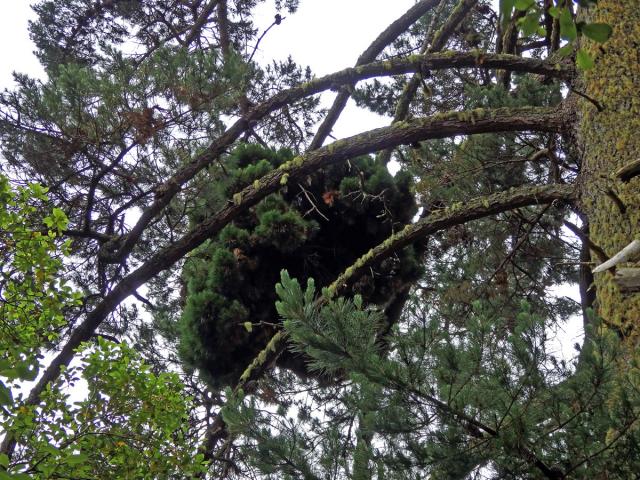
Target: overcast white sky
point(322, 33)
point(329, 35)
point(16, 47)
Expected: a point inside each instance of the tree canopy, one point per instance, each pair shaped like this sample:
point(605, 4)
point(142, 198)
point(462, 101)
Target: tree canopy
point(200, 281)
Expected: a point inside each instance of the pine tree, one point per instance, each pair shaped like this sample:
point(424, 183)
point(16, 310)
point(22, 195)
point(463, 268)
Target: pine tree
point(513, 126)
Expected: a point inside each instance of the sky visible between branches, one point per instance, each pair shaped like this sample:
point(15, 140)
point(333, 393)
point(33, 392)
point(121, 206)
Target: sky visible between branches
point(326, 35)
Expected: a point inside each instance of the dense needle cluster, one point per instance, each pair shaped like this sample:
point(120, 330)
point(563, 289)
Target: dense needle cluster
point(315, 228)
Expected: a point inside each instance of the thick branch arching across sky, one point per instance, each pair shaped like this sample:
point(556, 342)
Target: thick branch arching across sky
point(415, 63)
point(440, 126)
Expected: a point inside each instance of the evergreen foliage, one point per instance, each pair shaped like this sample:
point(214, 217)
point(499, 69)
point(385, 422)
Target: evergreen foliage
point(498, 262)
point(317, 227)
point(175, 168)
point(442, 404)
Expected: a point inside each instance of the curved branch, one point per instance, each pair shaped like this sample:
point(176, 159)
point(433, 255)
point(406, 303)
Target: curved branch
point(202, 19)
point(433, 43)
point(439, 126)
point(414, 63)
point(455, 215)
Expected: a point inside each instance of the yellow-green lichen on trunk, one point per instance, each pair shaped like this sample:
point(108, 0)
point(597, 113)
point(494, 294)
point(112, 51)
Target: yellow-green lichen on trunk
point(608, 140)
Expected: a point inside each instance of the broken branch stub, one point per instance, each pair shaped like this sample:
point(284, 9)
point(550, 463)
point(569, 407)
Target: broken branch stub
point(628, 253)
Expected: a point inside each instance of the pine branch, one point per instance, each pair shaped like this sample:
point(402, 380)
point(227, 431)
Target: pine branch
point(439, 126)
point(478, 429)
point(200, 22)
point(115, 252)
point(440, 220)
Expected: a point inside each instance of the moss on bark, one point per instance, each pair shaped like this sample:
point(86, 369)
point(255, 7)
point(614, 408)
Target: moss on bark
point(608, 140)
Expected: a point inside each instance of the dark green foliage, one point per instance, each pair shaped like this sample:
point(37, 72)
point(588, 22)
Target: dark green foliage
point(497, 261)
point(131, 95)
point(473, 344)
point(431, 404)
point(90, 32)
point(315, 228)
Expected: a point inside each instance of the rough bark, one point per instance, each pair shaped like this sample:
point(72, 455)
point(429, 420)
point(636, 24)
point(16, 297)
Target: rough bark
point(628, 280)
point(609, 141)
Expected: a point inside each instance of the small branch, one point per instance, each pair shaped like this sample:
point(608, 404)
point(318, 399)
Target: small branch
point(629, 171)
point(223, 28)
point(508, 43)
point(434, 42)
point(585, 239)
point(313, 205)
point(277, 21)
point(530, 46)
point(143, 300)
point(100, 237)
point(200, 22)
point(458, 14)
point(628, 253)
point(592, 100)
point(110, 338)
point(520, 242)
point(617, 200)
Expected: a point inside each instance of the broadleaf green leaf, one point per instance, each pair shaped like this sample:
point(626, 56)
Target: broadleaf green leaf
point(506, 8)
point(523, 5)
point(27, 371)
point(529, 24)
point(584, 60)
point(554, 12)
point(76, 459)
point(6, 398)
point(598, 32)
point(566, 50)
point(568, 29)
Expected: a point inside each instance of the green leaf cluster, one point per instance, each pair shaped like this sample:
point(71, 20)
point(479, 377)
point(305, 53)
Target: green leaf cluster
point(570, 29)
point(131, 423)
point(33, 293)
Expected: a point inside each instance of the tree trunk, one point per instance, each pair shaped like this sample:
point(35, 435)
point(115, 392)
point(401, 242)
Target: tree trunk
point(608, 140)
